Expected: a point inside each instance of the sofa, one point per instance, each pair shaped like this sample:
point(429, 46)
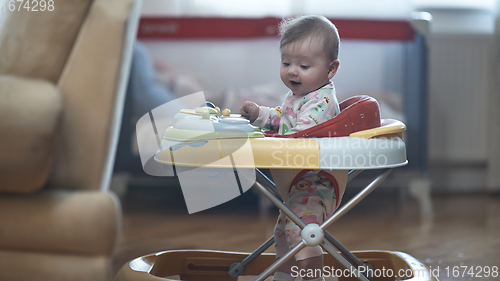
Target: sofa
point(63, 77)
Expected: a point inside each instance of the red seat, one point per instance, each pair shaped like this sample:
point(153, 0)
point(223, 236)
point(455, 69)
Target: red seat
point(357, 113)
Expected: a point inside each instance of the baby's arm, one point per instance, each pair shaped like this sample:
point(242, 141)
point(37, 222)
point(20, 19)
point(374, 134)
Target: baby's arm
point(261, 116)
point(269, 118)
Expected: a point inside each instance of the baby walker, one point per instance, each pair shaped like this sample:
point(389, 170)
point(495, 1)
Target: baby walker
point(355, 140)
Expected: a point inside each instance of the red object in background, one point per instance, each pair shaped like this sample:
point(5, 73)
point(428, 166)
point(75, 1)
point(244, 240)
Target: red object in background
point(239, 28)
point(356, 114)
point(206, 28)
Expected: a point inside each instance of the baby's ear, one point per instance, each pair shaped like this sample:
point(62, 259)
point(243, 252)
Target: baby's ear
point(332, 68)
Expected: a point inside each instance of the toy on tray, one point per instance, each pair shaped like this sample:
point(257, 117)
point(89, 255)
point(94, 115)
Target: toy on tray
point(355, 140)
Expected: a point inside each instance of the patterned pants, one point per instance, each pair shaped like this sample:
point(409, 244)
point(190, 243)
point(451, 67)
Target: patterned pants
point(313, 197)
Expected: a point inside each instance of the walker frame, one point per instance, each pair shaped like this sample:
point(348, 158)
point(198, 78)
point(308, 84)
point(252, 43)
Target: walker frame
point(208, 265)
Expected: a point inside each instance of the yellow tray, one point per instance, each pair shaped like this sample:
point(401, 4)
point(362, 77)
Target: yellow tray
point(376, 148)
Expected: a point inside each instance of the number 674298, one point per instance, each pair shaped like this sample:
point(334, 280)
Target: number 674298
point(27, 5)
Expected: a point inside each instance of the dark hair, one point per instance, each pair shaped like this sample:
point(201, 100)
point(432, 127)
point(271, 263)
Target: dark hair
point(300, 28)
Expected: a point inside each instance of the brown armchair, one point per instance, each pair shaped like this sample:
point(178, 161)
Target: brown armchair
point(63, 76)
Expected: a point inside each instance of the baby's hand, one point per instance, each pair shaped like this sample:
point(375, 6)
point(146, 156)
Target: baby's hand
point(249, 110)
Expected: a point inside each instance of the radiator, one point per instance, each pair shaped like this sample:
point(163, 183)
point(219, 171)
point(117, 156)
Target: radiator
point(459, 90)
point(459, 66)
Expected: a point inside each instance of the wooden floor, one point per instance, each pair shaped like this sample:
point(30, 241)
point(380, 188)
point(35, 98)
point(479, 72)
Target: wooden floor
point(465, 230)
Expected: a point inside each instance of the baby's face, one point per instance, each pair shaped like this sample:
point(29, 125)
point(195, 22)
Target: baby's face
point(304, 66)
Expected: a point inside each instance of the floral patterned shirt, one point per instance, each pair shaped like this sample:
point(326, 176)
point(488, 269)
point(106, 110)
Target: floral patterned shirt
point(299, 112)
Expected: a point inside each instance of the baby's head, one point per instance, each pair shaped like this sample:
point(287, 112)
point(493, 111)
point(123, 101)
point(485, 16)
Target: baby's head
point(309, 53)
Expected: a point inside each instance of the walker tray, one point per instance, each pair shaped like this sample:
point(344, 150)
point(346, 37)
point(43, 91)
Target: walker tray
point(197, 132)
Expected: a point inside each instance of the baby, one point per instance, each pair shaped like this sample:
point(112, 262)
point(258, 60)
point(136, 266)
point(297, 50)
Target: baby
point(309, 49)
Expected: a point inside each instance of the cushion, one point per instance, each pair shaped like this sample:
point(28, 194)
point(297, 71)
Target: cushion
point(30, 112)
point(89, 86)
point(76, 222)
point(37, 44)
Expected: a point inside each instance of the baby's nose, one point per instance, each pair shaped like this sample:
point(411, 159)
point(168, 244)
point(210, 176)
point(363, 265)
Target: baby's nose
point(292, 71)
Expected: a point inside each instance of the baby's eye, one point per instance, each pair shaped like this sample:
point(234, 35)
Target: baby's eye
point(304, 66)
point(286, 64)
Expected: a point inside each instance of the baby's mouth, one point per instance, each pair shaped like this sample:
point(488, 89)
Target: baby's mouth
point(294, 83)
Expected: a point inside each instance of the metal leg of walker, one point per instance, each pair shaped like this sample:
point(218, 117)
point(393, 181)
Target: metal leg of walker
point(291, 215)
point(263, 179)
point(268, 188)
point(237, 268)
point(353, 259)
